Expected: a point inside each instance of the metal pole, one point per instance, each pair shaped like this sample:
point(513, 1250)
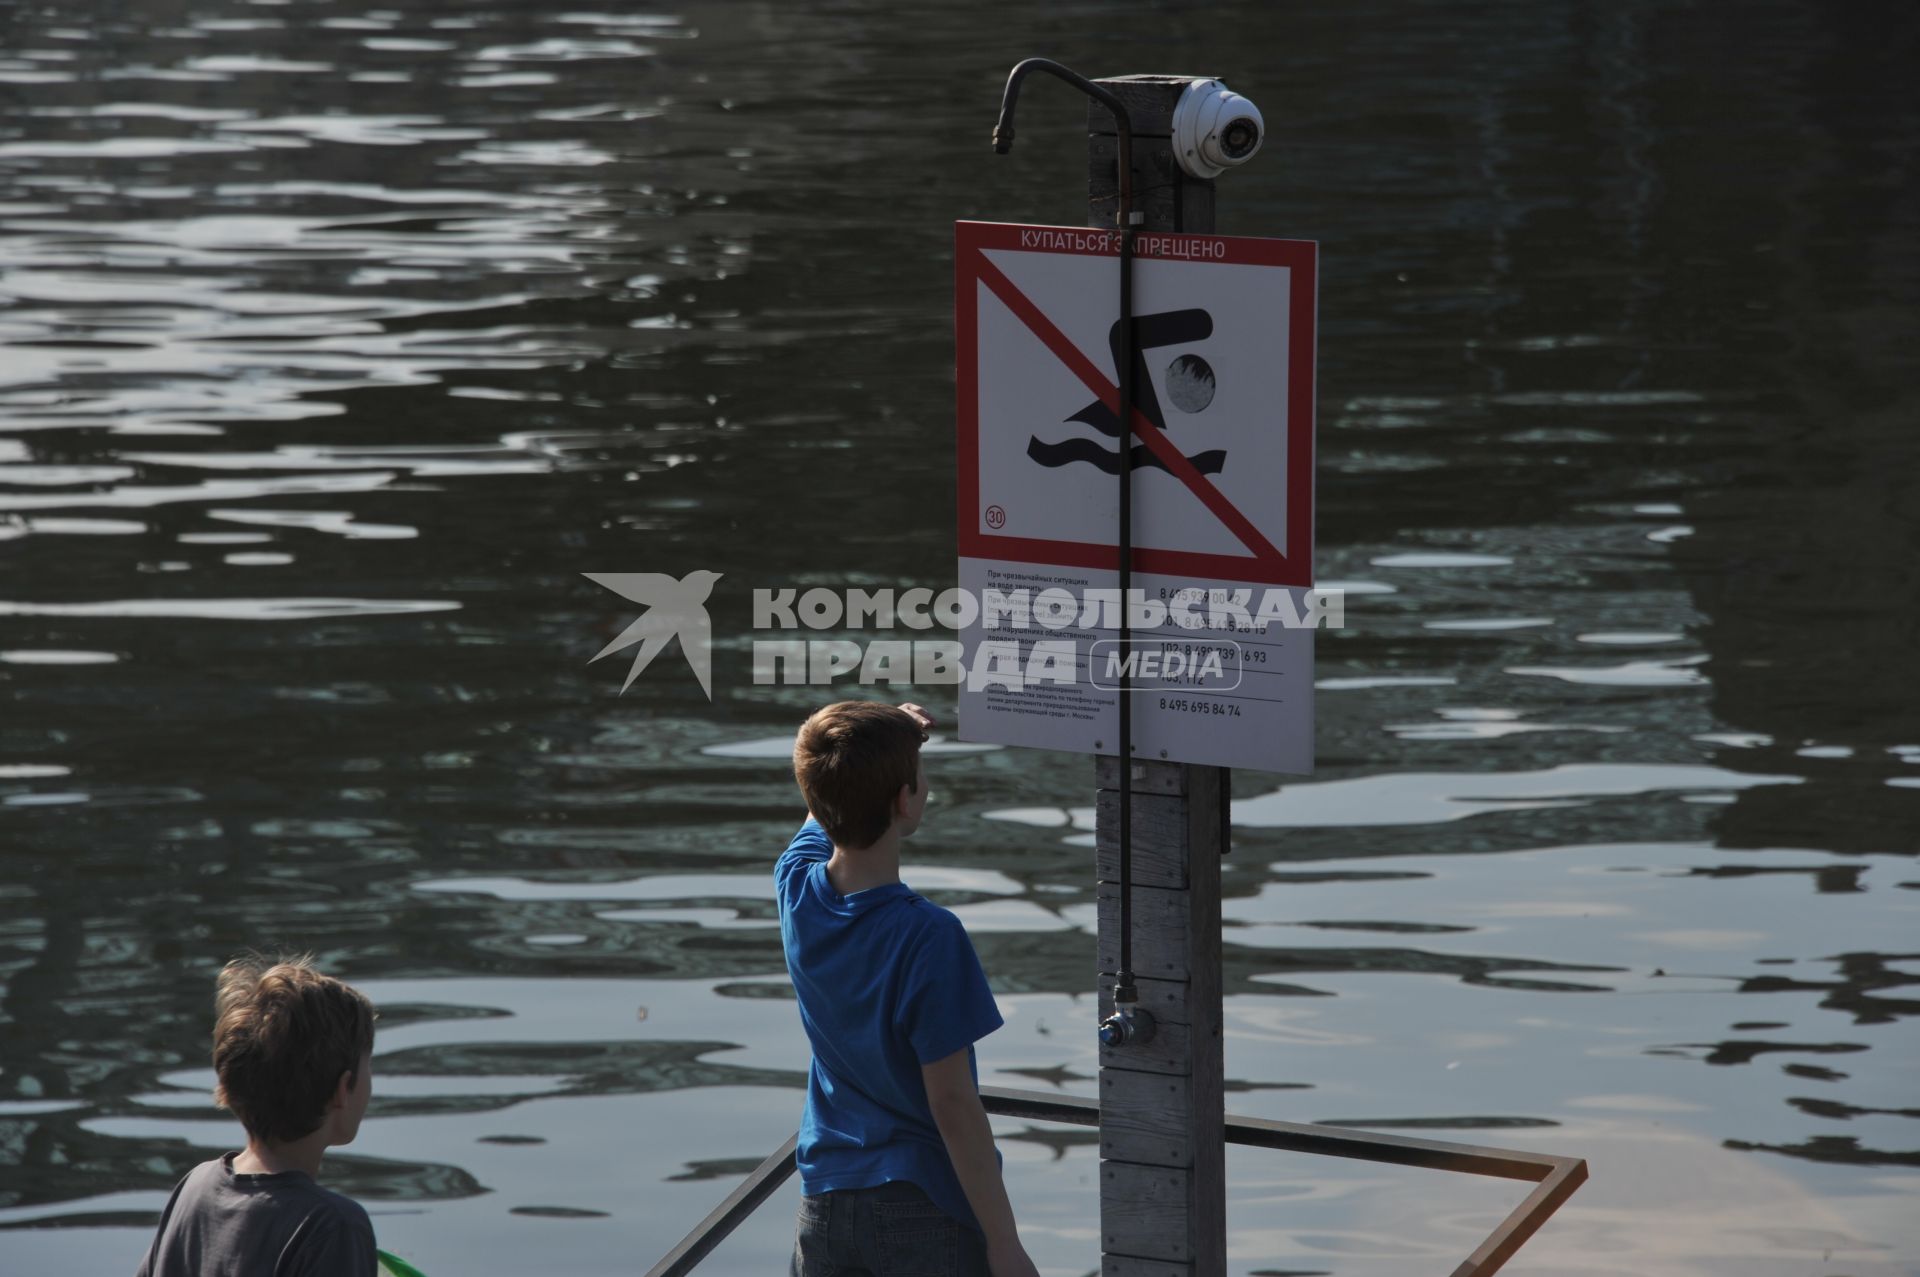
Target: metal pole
point(1125, 219)
point(1124, 992)
point(1163, 1168)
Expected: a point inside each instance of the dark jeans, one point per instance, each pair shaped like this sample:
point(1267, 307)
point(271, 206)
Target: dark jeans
point(892, 1230)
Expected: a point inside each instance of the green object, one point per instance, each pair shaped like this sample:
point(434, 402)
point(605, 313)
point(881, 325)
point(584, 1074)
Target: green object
point(394, 1266)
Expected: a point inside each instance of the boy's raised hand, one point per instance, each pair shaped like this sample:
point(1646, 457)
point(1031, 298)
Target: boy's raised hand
point(919, 715)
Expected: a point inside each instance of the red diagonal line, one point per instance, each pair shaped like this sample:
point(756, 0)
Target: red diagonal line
point(1109, 394)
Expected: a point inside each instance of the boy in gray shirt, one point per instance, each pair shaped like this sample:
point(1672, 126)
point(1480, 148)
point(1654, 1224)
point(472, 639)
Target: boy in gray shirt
point(294, 1053)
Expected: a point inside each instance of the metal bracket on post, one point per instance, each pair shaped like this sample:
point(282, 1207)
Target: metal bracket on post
point(1129, 1025)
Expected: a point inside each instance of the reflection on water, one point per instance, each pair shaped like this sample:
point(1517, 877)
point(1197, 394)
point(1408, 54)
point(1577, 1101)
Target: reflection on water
point(375, 328)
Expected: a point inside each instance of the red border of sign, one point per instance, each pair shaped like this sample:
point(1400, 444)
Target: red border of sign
point(1265, 564)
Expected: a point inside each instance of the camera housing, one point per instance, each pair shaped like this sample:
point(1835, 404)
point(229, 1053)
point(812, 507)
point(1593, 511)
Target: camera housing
point(1214, 129)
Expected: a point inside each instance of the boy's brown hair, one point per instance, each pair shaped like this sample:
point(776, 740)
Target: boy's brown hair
point(283, 1034)
point(851, 759)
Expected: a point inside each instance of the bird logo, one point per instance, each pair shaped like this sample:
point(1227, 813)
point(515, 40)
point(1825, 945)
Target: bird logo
point(675, 608)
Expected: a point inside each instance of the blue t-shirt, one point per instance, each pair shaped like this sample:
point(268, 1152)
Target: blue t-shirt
point(887, 981)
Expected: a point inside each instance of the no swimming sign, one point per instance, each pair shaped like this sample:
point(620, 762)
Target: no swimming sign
point(1222, 463)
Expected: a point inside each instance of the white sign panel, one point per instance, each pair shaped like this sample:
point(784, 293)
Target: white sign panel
point(1222, 463)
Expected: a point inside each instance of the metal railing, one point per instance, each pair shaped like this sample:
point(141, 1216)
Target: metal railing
point(1554, 1178)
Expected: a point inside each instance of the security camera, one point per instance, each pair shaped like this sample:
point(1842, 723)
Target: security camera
point(1214, 129)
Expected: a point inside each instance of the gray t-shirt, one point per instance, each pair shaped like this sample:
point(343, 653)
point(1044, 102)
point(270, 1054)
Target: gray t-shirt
point(222, 1224)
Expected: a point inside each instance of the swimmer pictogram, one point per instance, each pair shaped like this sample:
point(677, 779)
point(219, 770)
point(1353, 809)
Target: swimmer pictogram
point(1190, 385)
point(1222, 402)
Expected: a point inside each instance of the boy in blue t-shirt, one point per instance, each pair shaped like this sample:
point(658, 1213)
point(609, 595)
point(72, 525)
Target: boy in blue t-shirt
point(896, 1158)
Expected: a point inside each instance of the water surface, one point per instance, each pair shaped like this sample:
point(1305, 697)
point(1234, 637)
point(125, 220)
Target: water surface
point(337, 341)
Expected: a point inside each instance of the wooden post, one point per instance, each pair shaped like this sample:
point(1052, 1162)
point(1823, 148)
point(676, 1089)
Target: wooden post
point(1163, 1190)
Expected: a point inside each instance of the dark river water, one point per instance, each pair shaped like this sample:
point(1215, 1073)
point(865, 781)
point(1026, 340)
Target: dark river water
point(338, 341)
